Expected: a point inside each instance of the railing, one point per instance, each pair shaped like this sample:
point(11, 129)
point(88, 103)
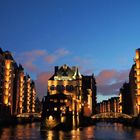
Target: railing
point(111, 115)
point(26, 115)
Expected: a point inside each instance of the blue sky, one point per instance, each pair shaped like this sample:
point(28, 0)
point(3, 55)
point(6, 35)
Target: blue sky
point(99, 36)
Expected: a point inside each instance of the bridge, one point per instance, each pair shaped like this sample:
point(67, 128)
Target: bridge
point(111, 115)
point(27, 115)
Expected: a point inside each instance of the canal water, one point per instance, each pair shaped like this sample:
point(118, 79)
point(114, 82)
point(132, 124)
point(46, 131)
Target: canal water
point(100, 131)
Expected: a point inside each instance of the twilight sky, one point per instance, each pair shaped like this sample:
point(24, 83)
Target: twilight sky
point(98, 36)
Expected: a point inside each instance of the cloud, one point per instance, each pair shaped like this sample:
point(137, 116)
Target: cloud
point(111, 89)
point(56, 55)
point(62, 52)
point(41, 83)
point(106, 76)
point(30, 66)
point(50, 58)
point(30, 59)
point(82, 61)
point(34, 53)
point(110, 81)
point(88, 72)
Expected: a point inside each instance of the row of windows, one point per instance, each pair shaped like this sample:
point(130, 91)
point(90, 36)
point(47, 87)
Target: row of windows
point(61, 101)
point(62, 88)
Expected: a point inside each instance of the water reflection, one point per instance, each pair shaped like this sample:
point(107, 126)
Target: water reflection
point(101, 131)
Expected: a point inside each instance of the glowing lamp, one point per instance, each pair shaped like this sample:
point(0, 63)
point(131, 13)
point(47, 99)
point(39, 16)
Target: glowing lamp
point(50, 118)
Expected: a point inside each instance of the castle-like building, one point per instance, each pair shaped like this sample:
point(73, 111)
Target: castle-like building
point(70, 93)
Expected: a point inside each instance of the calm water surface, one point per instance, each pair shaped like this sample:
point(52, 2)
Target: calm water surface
point(101, 131)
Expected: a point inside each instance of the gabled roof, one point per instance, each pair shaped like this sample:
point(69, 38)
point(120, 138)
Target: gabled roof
point(8, 55)
point(67, 72)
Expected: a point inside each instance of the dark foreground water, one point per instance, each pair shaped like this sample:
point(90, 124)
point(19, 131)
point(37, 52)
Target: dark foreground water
point(101, 131)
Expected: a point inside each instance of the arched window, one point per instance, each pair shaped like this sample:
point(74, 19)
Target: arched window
point(69, 88)
point(52, 87)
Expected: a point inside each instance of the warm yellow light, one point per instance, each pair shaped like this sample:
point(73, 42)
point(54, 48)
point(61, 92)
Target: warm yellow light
point(21, 79)
point(137, 54)
point(138, 100)
point(138, 91)
point(20, 105)
point(7, 63)
point(6, 92)
point(50, 118)
point(6, 85)
point(137, 64)
point(7, 72)
point(138, 72)
point(7, 78)
point(5, 100)
point(120, 97)
point(55, 109)
point(62, 119)
point(138, 85)
point(138, 78)
point(65, 100)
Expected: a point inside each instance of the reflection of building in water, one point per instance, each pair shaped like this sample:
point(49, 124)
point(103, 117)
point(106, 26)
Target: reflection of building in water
point(70, 93)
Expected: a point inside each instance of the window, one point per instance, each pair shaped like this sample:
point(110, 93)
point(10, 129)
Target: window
point(52, 87)
point(61, 101)
point(69, 88)
point(55, 108)
point(60, 88)
point(55, 100)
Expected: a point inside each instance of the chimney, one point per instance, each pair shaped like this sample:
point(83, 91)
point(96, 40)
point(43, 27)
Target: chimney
point(56, 69)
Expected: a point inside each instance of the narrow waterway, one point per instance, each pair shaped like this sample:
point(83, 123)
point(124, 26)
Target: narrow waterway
point(101, 131)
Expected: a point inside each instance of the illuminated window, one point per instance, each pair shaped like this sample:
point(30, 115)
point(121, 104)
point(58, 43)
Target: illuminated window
point(65, 100)
point(55, 100)
point(61, 101)
point(55, 108)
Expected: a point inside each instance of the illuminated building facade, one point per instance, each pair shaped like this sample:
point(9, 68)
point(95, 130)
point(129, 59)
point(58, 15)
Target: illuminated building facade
point(8, 82)
point(137, 69)
point(29, 95)
point(110, 105)
point(89, 94)
point(134, 81)
point(32, 97)
point(14, 88)
point(19, 90)
point(66, 82)
point(70, 93)
point(125, 100)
